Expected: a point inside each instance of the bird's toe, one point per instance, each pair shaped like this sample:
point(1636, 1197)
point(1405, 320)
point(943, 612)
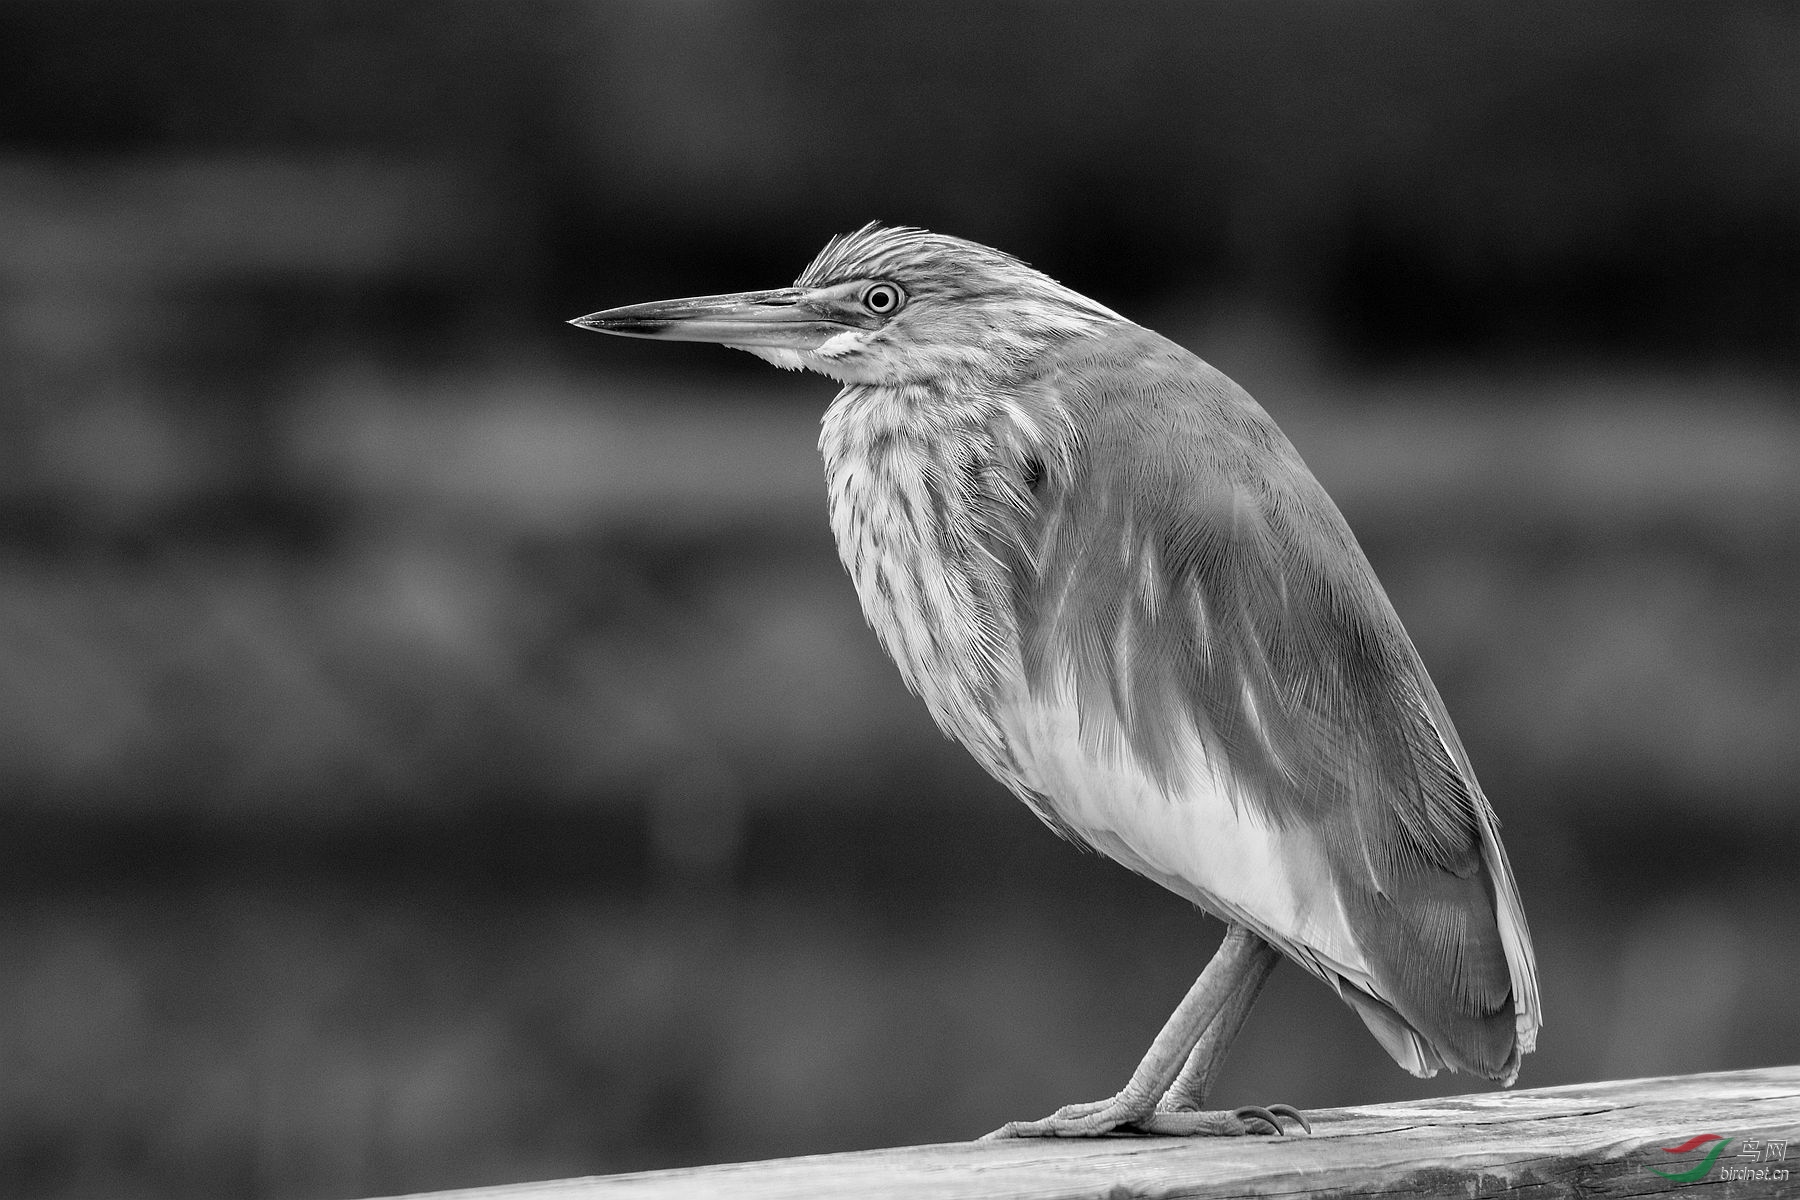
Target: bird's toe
point(1095, 1118)
point(1120, 1116)
point(1252, 1119)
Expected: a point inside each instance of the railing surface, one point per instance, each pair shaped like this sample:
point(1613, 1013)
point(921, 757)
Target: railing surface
point(1727, 1132)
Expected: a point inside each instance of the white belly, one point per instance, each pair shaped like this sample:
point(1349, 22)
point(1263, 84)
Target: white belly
point(1194, 838)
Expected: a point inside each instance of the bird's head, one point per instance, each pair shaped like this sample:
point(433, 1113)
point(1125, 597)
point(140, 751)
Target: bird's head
point(883, 305)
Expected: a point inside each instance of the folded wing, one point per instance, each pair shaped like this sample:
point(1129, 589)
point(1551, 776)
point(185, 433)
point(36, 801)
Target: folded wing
point(1216, 691)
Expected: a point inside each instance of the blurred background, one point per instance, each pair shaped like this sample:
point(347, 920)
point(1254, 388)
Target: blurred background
point(438, 746)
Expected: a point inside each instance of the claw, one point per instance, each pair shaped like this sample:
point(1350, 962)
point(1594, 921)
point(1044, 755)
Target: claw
point(1268, 1114)
point(1252, 1112)
point(1101, 1118)
point(1292, 1113)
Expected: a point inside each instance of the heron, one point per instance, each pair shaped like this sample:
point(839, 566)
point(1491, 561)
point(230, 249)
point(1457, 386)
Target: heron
point(1112, 578)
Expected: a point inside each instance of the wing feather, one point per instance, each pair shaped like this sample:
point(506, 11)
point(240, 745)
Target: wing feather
point(1199, 604)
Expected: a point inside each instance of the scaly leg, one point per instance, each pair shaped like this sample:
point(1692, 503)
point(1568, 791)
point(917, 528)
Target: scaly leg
point(1226, 988)
point(1188, 1093)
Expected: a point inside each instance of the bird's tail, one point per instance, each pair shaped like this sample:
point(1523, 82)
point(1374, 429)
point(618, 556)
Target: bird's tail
point(1414, 1054)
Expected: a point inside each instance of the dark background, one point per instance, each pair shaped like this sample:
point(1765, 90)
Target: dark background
point(438, 746)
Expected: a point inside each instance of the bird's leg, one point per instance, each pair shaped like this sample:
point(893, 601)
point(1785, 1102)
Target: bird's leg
point(1235, 974)
point(1187, 1095)
point(1190, 1088)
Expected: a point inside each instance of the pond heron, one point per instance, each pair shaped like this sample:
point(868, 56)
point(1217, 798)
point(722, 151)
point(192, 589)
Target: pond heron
point(1112, 578)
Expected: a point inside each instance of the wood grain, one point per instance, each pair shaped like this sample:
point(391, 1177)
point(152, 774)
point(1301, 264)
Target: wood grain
point(1590, 1140)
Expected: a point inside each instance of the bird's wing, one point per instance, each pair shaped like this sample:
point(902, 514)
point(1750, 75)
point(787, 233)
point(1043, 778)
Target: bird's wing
point(1216, 692)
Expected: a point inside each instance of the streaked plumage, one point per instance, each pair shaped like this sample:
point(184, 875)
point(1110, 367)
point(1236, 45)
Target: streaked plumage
point(1112, 578)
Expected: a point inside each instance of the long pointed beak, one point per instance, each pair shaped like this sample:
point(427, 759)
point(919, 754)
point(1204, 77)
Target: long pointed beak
point(783, 318)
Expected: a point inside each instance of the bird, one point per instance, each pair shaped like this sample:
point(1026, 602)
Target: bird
point(1112, 578)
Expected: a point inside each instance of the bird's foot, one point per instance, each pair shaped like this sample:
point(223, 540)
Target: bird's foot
point(1097, 1118)
point(1119, 1115)
point(1252, 1118)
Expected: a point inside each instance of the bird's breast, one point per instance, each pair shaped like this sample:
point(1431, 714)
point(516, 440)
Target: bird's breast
point(904, 513)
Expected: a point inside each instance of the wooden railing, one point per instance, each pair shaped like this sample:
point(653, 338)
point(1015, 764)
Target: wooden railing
point(1736, 1133)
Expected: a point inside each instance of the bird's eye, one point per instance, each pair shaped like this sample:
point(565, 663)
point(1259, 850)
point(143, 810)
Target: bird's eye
point(883, 298)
